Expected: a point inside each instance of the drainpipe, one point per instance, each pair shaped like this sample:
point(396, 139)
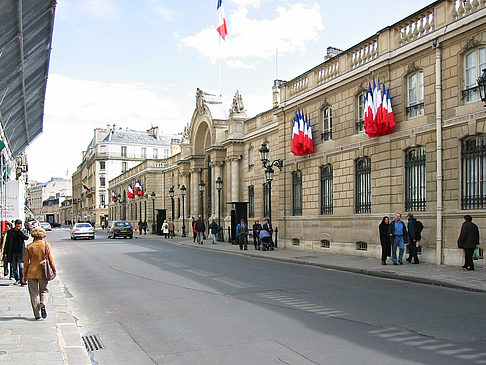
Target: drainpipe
point(438, 131)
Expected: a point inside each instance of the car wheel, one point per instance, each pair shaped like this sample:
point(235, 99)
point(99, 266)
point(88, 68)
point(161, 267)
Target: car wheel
point(131, 236)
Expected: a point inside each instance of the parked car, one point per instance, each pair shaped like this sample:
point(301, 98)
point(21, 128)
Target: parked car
point(82, 230)
point(46, 226)
point(55, 225)
point(120, 229)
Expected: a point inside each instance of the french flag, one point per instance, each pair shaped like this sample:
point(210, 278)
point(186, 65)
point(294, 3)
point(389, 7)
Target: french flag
point(130, 193)
point(221, 21)
point(138, 188)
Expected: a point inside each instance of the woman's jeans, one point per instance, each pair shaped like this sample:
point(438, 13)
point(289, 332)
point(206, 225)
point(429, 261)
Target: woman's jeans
point(398, 242)
point(214, 238)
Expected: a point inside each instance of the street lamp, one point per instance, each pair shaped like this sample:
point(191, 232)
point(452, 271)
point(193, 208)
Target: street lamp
point(219, 187)
point(183, 193)
point(201, 190)
point(171, 194)
point(482, 86)
point(154, 226)
point(264, 157)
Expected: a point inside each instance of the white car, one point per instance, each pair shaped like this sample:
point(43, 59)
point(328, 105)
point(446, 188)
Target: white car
point(82, 230)
point(46, 226)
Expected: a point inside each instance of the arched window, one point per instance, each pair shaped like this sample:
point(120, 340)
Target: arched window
point(327, 123)
point(360, 107)
point(251, 159)
point(473, 167)
point(415, 179)
point(474, 63)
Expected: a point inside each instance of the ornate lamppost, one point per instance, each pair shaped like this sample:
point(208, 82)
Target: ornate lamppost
point(183, 193)
point(154, 225)
point(201, 190)
point(265, 158)
point(482, 86)
point(219, 187)
point(171, 194)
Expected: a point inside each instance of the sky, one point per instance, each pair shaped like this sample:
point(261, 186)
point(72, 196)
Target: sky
point(138, 63)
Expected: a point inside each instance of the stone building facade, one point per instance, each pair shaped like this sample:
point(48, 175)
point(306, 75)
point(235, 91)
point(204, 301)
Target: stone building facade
point(433, 164)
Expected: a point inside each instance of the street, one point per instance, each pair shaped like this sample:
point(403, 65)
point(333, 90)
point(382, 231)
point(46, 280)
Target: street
point(151, 301)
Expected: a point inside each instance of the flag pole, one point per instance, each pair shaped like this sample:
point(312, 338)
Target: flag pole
point(220, 77)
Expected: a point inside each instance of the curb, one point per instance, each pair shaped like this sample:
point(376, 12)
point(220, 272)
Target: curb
point(375, 273)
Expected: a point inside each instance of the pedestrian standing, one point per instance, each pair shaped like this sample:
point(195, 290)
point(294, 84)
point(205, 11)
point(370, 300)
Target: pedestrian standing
point(171, 228)
point(15, 248)
point(145, 227)
point(257, 227)
point(213, 227)
point(385, 239)
point(414, 233)
point(37, 284)
point(468, 240)
point(200, 228)
point(242, 234)
point(194, 232)
point(3, 256)
point(398, 233)
point(165, 229)
point(267, 226)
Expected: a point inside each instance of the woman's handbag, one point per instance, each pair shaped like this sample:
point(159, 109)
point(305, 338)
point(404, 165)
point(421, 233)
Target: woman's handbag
point(47, 271)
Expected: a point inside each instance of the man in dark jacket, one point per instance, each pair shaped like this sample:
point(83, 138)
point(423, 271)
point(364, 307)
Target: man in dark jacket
point(200, 228)
point(257, 227)
point(399, 236)
point(468, 240)
point(414, 230)
point(14, 250)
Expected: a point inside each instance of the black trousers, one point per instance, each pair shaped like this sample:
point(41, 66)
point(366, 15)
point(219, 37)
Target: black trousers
point(468, 253)
point(256, 240)
point(412, 250)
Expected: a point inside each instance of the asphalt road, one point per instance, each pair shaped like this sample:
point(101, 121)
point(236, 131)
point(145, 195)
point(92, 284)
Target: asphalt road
point(151, 301)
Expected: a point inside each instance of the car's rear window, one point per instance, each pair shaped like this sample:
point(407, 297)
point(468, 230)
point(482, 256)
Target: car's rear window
point(83, 225)
point(123, 224)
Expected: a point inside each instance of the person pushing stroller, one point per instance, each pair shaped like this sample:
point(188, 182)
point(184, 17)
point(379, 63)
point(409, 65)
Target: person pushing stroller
point(265, 240)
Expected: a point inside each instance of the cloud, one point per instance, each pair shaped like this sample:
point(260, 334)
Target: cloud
point(239, 64)
point(101, 9)
point(75, 107)
point(251, 39)
point(247, 3)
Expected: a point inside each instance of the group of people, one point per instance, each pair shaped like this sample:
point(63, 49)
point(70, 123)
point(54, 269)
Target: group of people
point(168, 228)
point(142, 226)
point(395, 235)
point(24, 263)
point(262, 235)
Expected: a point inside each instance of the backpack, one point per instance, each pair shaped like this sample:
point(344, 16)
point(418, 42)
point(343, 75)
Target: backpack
point(418, 227)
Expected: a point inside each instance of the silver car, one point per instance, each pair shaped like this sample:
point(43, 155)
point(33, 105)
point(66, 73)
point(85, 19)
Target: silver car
point(82, 230)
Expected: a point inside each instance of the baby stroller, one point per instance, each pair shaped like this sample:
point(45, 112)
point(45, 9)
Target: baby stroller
point(265, 240)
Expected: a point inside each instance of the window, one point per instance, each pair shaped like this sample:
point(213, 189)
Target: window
point(102, 200)
point(327, 124)
point(360, 101)
point(473, 166)
point(266, 200)
point(251, 159)
point(124, 167)
point(474, 63)
point(123, 151)
point(415, 84)
point(251, 201)
point(415, 179)
point(156, 153)
point(102, 165)
point(326, 190)
point(363, 185)
point(297, 193)
point(102, 181)
point(166, 153)
point(144, 152)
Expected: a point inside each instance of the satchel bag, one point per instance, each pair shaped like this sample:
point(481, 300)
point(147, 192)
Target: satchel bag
point(47, 271)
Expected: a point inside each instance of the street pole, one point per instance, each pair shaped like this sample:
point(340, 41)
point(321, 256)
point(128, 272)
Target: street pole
point(270, 202)
point(183, 193)
point(219, 214)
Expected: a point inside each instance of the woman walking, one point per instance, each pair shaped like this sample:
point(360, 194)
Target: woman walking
point(385, 239)
point(34, 254)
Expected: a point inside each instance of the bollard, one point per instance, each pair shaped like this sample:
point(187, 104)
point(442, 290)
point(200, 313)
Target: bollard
point(229, 234)
point(276, 236)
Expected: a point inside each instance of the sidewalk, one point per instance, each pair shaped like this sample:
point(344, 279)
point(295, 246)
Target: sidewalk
point(23, 340)
point(424, 273)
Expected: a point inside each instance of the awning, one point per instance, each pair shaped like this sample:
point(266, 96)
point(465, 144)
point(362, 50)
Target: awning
point(26, 28)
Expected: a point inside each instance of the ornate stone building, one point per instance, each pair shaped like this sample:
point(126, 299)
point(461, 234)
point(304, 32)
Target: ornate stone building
point(433, 164)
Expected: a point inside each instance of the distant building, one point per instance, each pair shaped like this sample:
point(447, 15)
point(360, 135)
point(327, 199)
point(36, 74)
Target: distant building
point(111, 153)
point(56, 189)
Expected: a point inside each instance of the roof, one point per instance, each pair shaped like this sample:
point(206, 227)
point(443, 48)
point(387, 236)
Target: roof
point(25, 45)
point(133, 137)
